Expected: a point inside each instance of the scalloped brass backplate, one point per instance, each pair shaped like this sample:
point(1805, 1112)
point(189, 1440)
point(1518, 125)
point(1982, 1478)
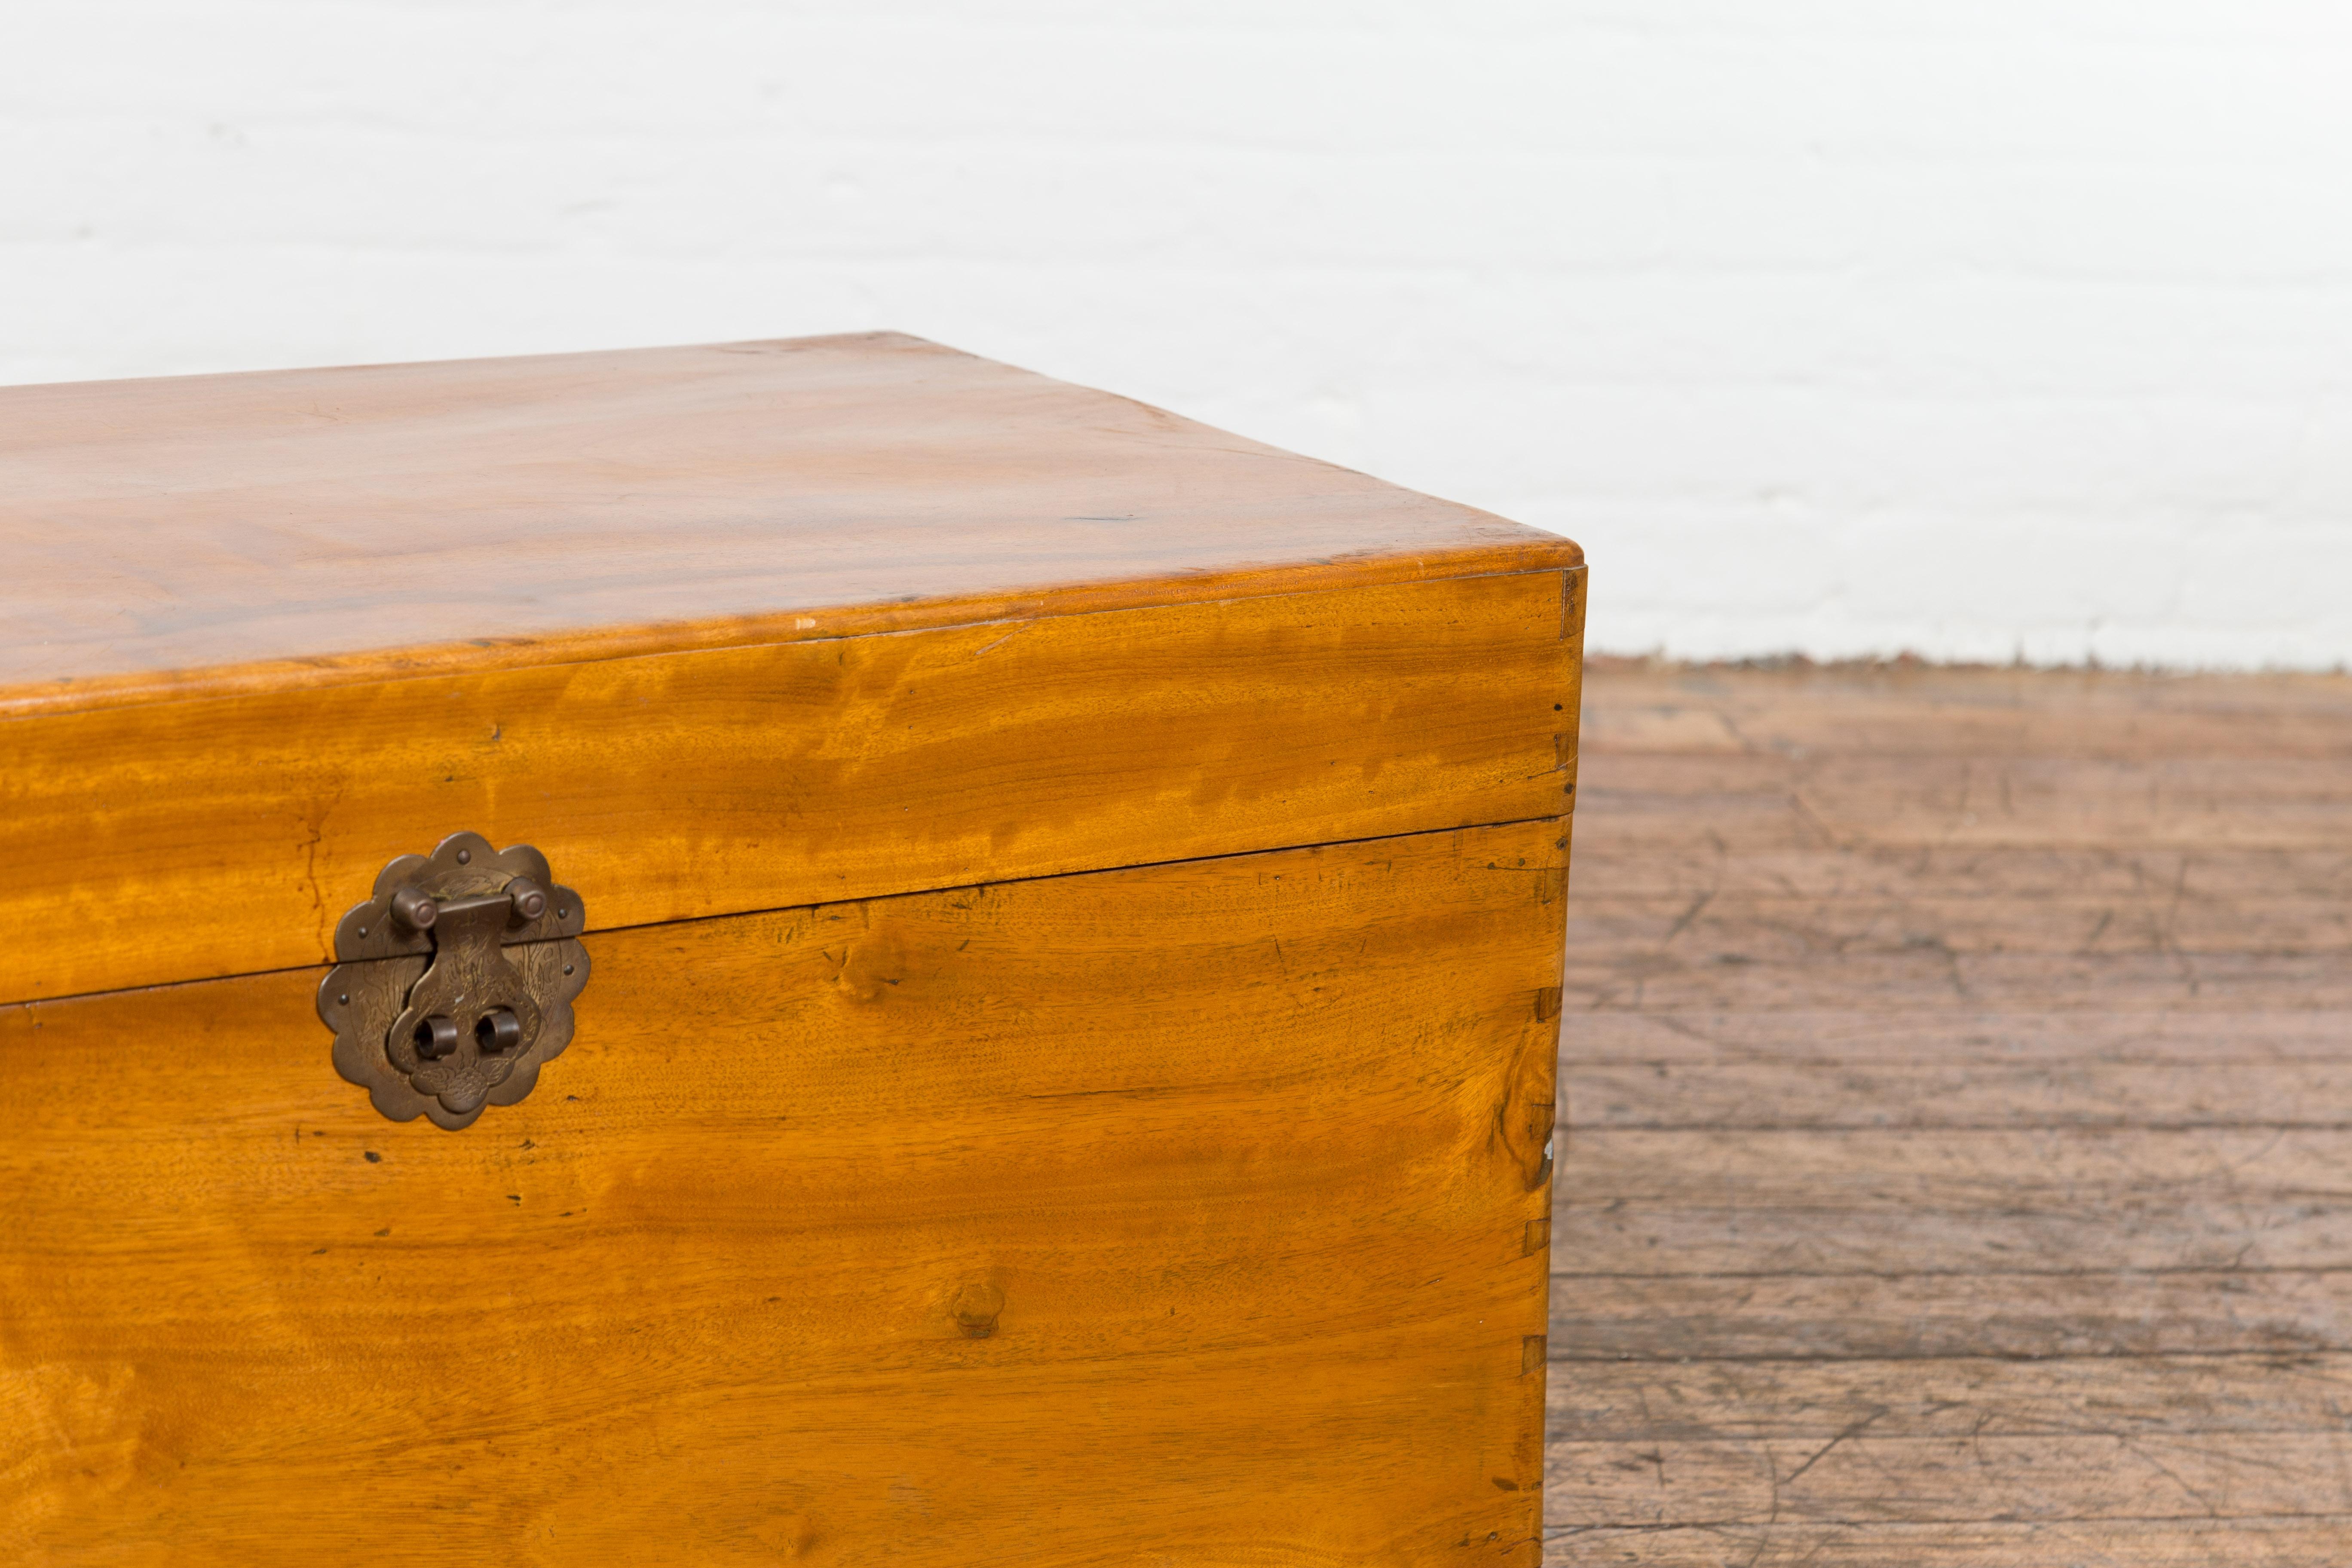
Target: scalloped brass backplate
point(456, 980)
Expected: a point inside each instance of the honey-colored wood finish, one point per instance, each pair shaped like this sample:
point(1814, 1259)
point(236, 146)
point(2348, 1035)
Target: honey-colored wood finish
point(1959, 1062)
point(1187, 1215)
point(989, 1135)
point(210, 534)
point(181, 840)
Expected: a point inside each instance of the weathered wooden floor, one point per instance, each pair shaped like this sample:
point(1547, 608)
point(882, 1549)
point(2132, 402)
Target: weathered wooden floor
point(1960, 1070)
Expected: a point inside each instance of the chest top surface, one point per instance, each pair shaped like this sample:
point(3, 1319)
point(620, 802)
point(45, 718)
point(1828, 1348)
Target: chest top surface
point(199, 534)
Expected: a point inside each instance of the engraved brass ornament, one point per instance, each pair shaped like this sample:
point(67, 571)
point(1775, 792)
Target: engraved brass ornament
point(454, 982)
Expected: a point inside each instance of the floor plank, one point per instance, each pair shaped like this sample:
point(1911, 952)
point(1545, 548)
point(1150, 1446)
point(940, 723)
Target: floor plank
point(1958, 1067)
point(2286, 1543)
point(1665, 979)
point(1859, 1034)
point(1958, 1311)
point(1782, 928)
point(1704, 864)
point(2084, 1091)
point(1952, 1397)
point(1860, 1477)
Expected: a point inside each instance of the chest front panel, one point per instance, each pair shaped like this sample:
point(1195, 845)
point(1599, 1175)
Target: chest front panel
point(1192, 1212)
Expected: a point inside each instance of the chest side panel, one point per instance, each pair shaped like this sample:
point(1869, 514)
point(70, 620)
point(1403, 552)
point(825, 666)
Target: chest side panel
point(1192, 1214)
point(184, 840)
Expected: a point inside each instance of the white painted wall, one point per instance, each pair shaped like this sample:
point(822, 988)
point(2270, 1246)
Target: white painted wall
point(1841, 326)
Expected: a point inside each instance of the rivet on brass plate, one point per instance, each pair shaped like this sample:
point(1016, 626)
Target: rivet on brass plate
point(454, 981)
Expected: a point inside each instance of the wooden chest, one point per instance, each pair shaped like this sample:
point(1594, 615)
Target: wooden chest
point(820, 951)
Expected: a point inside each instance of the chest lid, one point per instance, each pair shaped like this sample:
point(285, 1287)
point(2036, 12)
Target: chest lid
point(717, 629)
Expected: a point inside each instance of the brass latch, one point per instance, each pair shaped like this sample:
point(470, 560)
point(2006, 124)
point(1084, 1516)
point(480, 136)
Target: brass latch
point(454, 981)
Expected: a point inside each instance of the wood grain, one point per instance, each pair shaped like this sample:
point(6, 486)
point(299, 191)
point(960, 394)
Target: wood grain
point(1897, 713)
point(2072, 1477)
point(2286, 1543)
point(1957, 1064)
point(2166, 803)
point(1178, 1213)
point(2170, 1071)
point(1953, 1311)
point(2168, 1397)
point(1777, 927)
point(1905, 1199)
point(2135, 875)
point(2151, 983)
point(1758, 1095)
point(1925, 1035)
point(175, 841)
point(209, 534)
